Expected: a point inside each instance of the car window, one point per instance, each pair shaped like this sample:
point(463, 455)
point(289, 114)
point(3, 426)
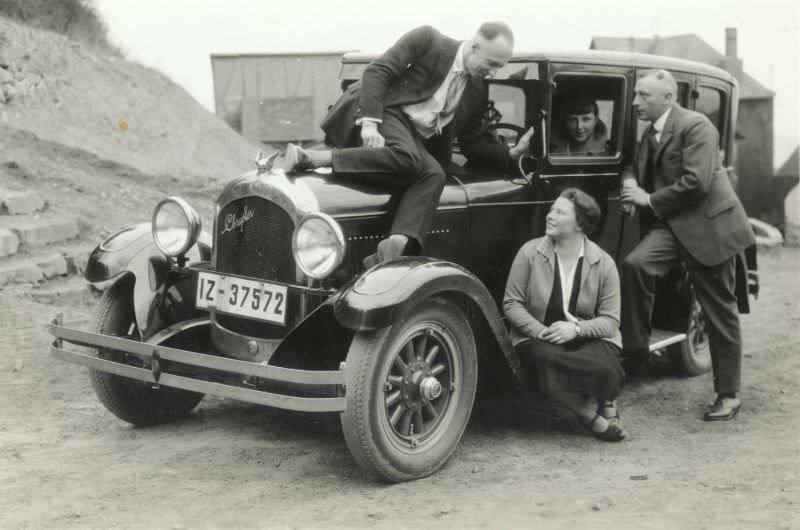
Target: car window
point(506, 105)
point(710, 102)
point(586, 114)
point(509, 108)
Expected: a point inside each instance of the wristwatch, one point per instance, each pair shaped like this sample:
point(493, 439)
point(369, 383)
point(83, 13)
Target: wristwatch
point(577, 329)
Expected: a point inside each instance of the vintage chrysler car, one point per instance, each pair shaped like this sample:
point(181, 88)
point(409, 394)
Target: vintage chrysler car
point(274, 306)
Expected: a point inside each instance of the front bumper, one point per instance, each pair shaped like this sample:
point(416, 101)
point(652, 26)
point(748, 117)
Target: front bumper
point(159, 358)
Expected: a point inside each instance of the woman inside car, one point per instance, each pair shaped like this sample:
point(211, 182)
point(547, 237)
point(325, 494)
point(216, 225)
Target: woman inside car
point(562, 300)
point(583, 132)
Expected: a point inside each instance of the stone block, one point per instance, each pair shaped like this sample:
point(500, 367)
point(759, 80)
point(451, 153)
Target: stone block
point(20, 202)
point(46, 230)
point(31, 270)
point(9, 243)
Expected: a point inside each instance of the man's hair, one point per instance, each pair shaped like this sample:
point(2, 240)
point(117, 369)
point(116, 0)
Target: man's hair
point(664, 77)
point(491, 30)
point(587, 211)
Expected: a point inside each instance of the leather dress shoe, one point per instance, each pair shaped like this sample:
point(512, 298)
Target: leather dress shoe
point(723, 409)
point(392, 247)
point(296, 159)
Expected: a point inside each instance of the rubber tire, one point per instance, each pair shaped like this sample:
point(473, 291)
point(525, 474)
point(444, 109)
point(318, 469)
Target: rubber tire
point(368, 362)
point(131, 400)
point(691, 358)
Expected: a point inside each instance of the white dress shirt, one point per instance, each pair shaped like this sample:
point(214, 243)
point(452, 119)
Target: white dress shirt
point(658, 125)
point(431, 116)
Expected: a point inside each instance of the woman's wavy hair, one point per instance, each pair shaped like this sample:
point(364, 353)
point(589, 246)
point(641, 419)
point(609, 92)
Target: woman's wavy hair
point(587, 211)
point(584, 105)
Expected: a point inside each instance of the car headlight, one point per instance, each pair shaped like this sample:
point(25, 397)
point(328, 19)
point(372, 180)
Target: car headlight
point(318, 245)
point(176, 226)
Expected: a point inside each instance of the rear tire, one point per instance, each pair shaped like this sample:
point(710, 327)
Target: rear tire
point(410, 390)
point(693, 356)
point(131, 400)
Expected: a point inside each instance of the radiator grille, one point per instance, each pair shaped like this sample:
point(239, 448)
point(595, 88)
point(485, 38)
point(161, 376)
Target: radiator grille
point(261, 246)
point(254, 238)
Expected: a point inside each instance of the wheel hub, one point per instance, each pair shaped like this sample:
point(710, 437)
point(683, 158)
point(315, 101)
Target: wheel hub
point(430, 388)
point(414, 396)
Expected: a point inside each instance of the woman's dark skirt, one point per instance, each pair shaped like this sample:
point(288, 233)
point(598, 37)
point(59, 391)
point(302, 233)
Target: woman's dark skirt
point(589, 366)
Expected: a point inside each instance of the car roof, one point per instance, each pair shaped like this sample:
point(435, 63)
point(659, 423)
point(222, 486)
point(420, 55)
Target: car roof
point(597, 57)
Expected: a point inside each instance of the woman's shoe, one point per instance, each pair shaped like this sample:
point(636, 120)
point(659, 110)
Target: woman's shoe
point(613, 433)
point(609, 410)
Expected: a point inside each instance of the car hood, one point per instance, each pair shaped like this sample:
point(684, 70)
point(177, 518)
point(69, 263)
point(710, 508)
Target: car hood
point(344, 196)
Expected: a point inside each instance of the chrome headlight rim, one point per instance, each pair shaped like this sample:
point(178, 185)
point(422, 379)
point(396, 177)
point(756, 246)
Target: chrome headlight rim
point(193, 224)
point(338, 245)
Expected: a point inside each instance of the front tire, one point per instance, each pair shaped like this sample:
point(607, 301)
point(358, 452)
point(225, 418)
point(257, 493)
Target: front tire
point(410, 390)
point(131, 400)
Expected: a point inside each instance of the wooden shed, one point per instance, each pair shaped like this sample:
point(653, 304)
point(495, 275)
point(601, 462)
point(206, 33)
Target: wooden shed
point(276, 97)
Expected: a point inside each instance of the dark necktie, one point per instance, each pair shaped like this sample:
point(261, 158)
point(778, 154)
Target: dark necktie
point(652, 147)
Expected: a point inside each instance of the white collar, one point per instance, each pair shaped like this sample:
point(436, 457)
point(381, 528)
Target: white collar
point(458, 63)
point(658, 125)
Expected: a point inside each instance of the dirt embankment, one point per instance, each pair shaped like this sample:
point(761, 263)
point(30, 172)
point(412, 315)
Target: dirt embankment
point(66, 93)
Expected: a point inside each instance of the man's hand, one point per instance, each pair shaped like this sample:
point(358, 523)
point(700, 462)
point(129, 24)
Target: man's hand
point(633, 194)
point(628, 207)
point(523, 144)
point(559, 332)
point(370, 137)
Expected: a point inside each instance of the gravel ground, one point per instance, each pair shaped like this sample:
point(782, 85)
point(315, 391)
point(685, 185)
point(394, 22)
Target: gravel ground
point(67, 463)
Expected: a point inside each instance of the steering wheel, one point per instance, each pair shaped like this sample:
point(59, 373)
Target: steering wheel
point(510, 127)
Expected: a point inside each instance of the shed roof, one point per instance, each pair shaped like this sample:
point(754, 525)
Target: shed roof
point(687, 46)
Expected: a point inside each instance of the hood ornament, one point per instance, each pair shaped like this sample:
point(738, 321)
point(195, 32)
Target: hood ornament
point(265, 163)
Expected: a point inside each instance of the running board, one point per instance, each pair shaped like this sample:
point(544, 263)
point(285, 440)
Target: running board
point(660, 339)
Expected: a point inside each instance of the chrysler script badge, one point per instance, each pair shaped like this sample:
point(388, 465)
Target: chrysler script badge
point(232, 221)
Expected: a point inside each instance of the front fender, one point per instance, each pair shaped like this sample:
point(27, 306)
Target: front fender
point(386, 292)
point(131, 252)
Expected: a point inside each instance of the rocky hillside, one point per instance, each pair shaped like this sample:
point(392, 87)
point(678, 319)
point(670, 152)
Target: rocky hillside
point(63, 92)
point(88, 143)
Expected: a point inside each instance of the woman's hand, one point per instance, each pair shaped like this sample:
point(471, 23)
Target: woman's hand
point(558, 332)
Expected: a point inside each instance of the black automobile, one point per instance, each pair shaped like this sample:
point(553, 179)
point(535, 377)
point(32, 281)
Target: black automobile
point(274, 306)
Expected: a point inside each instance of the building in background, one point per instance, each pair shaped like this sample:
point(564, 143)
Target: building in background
point(276, 97)
point(754, 127)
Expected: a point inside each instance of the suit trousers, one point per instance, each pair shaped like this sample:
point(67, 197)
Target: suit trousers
point(405, 162)
point(655, 255)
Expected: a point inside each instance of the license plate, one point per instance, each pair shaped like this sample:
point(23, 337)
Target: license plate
point(237, 296)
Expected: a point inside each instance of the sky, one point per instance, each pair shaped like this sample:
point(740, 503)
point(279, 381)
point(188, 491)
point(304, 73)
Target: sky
point(178, 36)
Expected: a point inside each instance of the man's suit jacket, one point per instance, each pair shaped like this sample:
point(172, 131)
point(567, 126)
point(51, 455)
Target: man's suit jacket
point(692, 192)
point(410, 72)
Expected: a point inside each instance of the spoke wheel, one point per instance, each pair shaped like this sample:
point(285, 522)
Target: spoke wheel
point(693, 356)
point(420, 383)
point(410, 389)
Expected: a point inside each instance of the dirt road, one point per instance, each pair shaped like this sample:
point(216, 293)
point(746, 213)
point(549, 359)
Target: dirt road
point(67, 463)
